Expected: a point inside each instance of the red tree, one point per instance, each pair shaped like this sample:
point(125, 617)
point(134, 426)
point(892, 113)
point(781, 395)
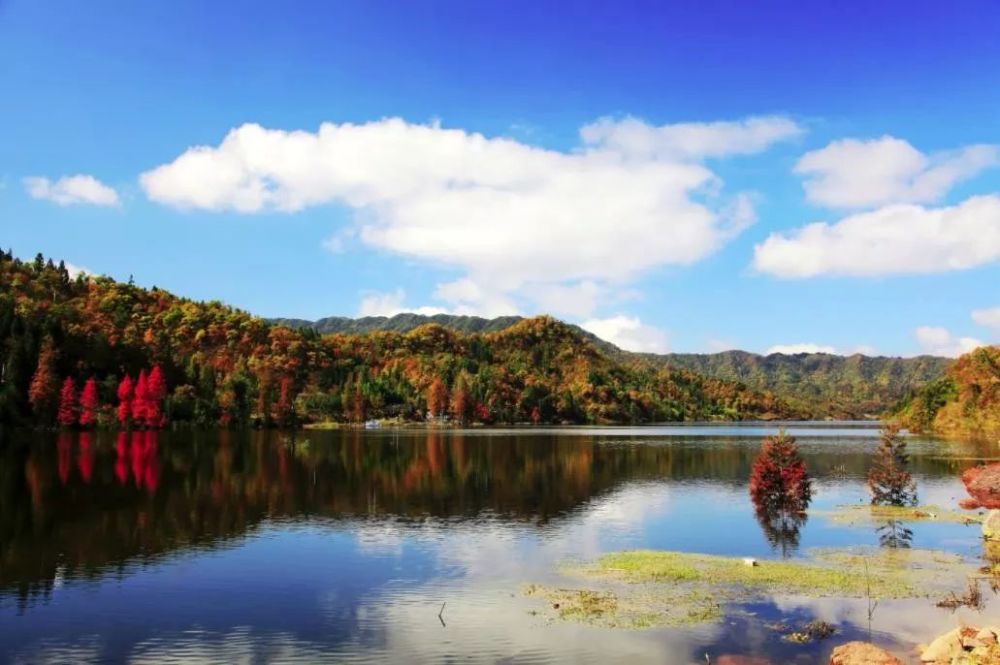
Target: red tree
point(67, 404)
point(156, 390)
point(125, 395)
point(437, 398)
point(778, 476)
point(140, 400)
point(284, 410)
point(89, 404)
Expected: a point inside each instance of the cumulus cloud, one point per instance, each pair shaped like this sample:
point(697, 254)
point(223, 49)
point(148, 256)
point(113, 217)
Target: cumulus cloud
point(689, 140)
point(937, 341)
point(72, 190)
point(75, 270)
point(895, 239)
point(805, 347)
point(391, 304)
point(509, 214)
point(854, 173)
point(988, 318)
point(629, 333)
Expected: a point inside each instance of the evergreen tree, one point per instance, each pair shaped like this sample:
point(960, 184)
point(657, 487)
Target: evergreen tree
point(889, 481)
point(42, 392)
point(125, 396)
point(156, 391)
point(67, 415)
point(437, 398)
point(89, 404)
point(140, 400)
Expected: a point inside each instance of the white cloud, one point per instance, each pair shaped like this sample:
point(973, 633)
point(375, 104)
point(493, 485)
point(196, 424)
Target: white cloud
point(854, 173)
point(689, 140)
point(75, 270)
point(510, 214)
point(629, 333)
point(863, 349)
point(805, 347)
point(578, 300)
point(72, 190)
point(937, 341)
point(896, 239)
point(988, 318)
point(391, 304)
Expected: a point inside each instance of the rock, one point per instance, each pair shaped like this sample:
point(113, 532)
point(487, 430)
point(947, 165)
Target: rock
point(862, 653)
point(991, 525)
point(749, 562)
point(949, 647)
point(988, 635)
point(983, 485)
point(730, 659)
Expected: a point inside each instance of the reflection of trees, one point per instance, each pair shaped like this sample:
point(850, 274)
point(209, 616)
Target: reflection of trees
point(89, 503)
point(894, 534)
point(781, 526)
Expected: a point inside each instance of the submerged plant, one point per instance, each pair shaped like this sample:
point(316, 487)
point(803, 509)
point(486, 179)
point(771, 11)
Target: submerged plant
point(889, 481)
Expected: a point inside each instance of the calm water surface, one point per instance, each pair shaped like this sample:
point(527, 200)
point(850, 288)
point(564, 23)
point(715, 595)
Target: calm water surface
point(342, 546)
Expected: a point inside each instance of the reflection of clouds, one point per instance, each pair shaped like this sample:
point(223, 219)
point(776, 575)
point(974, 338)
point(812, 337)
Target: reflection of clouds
point(241, 645)
point(84, 650)
point(908, 621)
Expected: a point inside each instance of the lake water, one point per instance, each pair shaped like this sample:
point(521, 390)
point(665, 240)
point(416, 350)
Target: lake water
point(342, 546)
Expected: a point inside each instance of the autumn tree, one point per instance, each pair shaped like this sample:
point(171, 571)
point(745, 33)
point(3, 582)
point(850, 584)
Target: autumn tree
point(778, 474)
point(437, 398)
point(126, 394)
point(889, 481)
point(461, 399)
point(89, 403)
point(42, 391)
point(284, 409)
point(140, 400)
point(67, 416)
point(156, 390)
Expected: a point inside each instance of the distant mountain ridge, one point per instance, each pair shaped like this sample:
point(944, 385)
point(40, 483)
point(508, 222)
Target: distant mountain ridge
point(819, 384)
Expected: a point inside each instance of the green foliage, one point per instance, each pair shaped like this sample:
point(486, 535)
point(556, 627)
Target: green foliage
point(224, 366)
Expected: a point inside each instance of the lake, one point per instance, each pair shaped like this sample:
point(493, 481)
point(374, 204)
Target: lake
point(343, 546)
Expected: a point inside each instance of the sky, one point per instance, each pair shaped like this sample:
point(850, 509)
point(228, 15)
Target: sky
point(689, 177)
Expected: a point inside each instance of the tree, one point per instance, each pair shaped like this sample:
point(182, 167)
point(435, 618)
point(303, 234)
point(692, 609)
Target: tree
point(126, 394)
point(89, 404)
point(284, 410)
point(67, 416)
point(42, 391)
point(437, 398)
point(140, 400)
point(461, 400)
point(156, 391)
point(778, 475)
point(780, 489)
point(889, 482)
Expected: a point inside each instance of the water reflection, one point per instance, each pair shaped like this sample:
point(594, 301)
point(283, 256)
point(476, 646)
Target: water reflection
point(334, 543)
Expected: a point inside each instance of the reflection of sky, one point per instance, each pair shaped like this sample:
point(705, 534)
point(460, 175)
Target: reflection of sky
point(328, 590)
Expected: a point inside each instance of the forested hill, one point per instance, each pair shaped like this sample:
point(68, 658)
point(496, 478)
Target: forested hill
point(817, 385)
point(964, 402)
point(64, 338)
point(406, 322)
point(820, 384)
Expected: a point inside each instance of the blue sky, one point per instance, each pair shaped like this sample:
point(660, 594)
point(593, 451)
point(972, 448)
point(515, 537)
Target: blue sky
point(648, 171)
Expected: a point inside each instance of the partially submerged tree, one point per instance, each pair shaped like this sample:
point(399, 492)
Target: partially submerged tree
point(889, 481)
point(780, 489)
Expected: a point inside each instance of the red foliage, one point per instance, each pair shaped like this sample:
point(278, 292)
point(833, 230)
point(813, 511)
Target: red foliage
point(42, 391)
point(67, 404)
point(284, 410)
point(778, 476)
point(140, 400)
point(125, 396)
point(89, 404)
point(85, 458)
point(983, 484)
point(156, 390)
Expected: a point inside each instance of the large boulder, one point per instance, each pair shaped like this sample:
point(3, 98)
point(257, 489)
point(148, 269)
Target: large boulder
point(991, 525)
point(862, 653)
point(983, 485)
point(964, 645)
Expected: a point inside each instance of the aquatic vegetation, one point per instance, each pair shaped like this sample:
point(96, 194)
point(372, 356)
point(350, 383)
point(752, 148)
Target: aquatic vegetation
point(860, 515)
point(645, 588)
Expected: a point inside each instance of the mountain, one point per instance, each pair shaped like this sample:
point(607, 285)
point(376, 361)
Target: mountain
point(964, 402)
point(224, 366)
point(819, 384)
point(406, 322)
point(816, 385)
